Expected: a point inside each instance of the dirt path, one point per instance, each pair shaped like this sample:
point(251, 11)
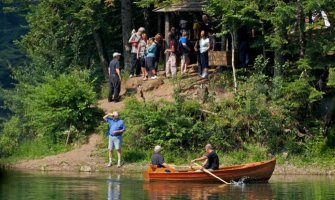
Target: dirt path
point(86, 157)
point(83, 158)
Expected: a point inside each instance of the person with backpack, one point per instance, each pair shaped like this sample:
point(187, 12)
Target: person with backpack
point(184, 51)
point(134, 40)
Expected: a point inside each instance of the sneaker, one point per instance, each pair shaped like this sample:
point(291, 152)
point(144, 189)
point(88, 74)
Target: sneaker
point(153, 77)
point(204, 76)
point(109, 164)
point(131, 76)
point(145, 78)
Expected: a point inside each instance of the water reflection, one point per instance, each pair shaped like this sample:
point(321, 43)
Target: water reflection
point(164, 190)
point(128, 186)
point(114, 188)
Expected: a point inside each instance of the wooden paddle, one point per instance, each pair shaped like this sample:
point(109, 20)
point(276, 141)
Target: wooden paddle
point(210, 173)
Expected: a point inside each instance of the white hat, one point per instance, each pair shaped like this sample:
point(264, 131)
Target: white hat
point(157, 149)
point(116, 54)
point(115, 114)
point(182, 21)
point(141, 29)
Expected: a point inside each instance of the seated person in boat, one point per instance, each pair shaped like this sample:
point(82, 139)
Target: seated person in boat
point(212, 159)
point(157, 158)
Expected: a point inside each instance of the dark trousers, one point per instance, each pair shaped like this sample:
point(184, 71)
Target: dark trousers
point(244, 54)
point(203, 61)
point(135, 63)
point(114, 88)
point(199, 64)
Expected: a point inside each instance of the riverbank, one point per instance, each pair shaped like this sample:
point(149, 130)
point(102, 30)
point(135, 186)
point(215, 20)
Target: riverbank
point(87, 158)
point(281, 169)
point(90, 157)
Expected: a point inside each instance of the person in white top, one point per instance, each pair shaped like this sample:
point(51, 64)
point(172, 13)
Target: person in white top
point(204, 46)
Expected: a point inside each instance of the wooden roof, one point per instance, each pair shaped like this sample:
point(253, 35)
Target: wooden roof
point(184, 6)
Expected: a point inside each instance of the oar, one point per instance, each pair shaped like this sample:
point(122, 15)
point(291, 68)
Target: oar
point(210, 173)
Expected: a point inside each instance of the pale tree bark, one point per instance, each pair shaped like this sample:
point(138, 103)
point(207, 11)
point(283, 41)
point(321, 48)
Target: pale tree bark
point(279, 59)
point(104, 60)
point(126, 16)
point(234, 47)
point(301, 26)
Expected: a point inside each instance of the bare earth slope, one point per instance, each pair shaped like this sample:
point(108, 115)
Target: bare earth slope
point(86, 157)
point(82, 157)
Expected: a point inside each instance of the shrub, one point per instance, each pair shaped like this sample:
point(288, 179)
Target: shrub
point(9, 139)
point(62, 106)
point(174, 125)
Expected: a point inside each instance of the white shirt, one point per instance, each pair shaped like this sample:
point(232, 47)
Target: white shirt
point(204, 44)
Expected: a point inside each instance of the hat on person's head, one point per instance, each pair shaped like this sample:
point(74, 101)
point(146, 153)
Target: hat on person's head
point(116, 54)
point(115, 114)
point(182, 21)
point(157, 148)
point(141, 29)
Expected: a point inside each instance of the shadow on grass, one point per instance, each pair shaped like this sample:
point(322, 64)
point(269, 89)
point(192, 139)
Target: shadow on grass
point(134, 156)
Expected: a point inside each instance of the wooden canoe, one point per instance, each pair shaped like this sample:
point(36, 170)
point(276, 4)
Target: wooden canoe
point(250, 172)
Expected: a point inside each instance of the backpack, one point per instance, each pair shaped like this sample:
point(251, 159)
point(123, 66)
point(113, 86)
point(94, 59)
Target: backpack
point(179, 49)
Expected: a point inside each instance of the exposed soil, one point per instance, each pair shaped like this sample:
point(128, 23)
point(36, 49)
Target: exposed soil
point(87, 158)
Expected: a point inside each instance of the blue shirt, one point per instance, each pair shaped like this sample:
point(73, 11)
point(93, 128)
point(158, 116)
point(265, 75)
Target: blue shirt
point(115, 125)
point(151, 51)
point(183, 40)
point(113, 65)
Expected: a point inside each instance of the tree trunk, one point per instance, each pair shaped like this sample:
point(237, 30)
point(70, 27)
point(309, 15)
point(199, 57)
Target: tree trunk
point(126, 17)
point(233, 49)
point(279, 59)
point(263, 35)
point(301, 26)
point(104, 60)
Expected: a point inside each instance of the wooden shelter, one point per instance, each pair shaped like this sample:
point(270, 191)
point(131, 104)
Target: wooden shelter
point(216, 58)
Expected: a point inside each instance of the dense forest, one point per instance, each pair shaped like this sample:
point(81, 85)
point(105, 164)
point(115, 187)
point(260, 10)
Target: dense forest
point(284, 101)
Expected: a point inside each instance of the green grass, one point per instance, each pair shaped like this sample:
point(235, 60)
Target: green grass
point(36, 149)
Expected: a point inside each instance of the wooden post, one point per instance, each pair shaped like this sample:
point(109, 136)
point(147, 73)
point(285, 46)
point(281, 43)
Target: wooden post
point(166, 40)
point(159, 22)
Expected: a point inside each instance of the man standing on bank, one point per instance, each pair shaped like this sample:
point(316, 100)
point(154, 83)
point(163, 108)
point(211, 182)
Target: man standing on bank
point(212, 159)
point(114, 72)
point(115, 132)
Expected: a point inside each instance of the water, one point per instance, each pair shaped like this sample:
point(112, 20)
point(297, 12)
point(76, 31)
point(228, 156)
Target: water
point(38, 185)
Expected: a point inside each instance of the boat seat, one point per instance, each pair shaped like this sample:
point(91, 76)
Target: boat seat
point(153, 167)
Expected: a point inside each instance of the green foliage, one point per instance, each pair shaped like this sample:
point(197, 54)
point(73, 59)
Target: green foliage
point(39, 147)
point(10, 138)
point(331, 78)
point(58, 104)
point(54, 109)
point(174, 125)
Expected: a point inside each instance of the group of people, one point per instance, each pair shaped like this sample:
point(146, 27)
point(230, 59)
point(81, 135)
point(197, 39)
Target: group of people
point(146, 53)
point(116, 128)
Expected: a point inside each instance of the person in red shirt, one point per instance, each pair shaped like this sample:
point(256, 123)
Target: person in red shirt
point(171, 64)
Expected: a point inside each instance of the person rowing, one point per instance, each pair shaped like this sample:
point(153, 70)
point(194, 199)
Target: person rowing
point(212, 159)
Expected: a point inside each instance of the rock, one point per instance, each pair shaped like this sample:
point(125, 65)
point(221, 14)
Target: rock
point(44, 167)
point(85, 168)
point(152, 84)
